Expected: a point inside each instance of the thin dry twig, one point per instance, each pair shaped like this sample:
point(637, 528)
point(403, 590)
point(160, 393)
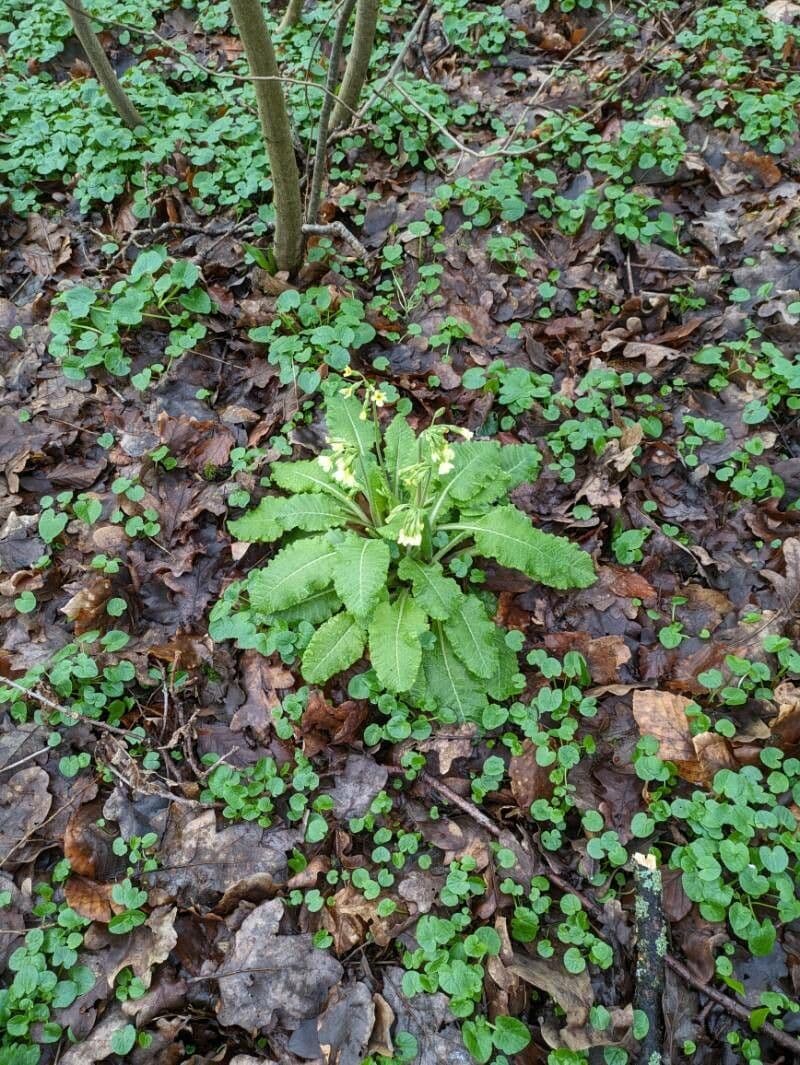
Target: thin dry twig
point(27, 758)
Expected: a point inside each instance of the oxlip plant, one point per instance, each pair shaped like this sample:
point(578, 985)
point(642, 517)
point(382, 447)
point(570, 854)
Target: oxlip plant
point(367, 533)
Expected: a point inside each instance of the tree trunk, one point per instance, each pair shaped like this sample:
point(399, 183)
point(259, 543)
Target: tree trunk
point(101, 66)
point(292, 14)
point(357, 62)
point(277, 133)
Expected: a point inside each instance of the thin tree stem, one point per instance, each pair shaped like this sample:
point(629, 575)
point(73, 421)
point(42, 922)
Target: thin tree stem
point(277, 133)
point(323, 125)
point(358, 61)
point(101, 65)
point(292, 14)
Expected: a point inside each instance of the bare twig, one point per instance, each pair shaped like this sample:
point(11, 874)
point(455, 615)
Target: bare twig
point(27, 758)
point(732, 1007)
point(337, 229)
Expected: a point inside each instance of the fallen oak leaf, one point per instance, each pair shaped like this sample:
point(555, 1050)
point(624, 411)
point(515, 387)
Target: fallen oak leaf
point(664, 716)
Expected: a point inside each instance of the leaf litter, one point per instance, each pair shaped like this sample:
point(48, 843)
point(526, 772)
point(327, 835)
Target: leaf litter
point(658, 377)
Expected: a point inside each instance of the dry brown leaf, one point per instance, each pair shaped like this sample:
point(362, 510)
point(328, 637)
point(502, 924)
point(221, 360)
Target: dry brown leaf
point(428, 1019)
point(198, 864)
point(87, 605)
point(764, 169)
point(571, 991)
point(529, 780)
point(605, 655)
point(448, 746)
point(357, 784)
point(25, 802)
point(381, 1039)
point(184, 651)
point(653, 354)
point(47, 246)
point(261, 681)
point(782, 11)
point(787, 585)
point(88, 898)
point(143, 950)
point(350, 918)
point(663, 715)
point(323, 723)
point(583, 1036)
point(713, 753)
point(786, 725)
point(87, 847)
point(345, 1026)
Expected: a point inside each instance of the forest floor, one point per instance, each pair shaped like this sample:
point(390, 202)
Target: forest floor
point(581, 234)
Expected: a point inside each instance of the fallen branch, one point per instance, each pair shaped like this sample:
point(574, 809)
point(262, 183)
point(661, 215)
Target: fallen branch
point(651, 949)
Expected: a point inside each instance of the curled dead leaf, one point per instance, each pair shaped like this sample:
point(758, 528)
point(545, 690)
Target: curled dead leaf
point(323, 723)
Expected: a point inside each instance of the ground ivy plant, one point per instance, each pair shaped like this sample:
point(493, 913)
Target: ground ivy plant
point(89, 327)
point(367, 534)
